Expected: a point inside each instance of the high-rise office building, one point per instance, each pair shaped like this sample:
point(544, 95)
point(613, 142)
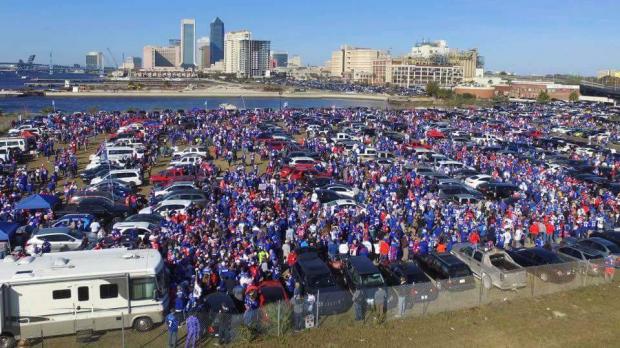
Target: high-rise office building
point(174, 42)
point(216, 37)
point(188, 43)
point(161, 57)
point(244, 56)
point(280, 59)
point(94, 60)
point(204, 54)
point(352, 61)
point(232, 50)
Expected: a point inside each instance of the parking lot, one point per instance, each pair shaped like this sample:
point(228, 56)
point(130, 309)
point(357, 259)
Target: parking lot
point(336, 214)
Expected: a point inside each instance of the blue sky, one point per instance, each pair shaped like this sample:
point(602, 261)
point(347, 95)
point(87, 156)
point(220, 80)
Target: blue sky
point(526, 36)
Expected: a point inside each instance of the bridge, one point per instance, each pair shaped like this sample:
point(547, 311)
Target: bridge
point(599, 90)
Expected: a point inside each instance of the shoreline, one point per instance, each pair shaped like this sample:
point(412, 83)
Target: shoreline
point(227, 94)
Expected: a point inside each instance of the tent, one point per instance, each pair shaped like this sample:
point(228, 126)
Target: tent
point(7, 230)
point(37, 202)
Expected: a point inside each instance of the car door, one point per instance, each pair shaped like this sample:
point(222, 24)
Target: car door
point(476, 262)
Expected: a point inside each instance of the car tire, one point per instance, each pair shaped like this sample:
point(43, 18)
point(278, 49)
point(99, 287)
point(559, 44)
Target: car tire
point(486, 282)
point(7, 341)
point(143, 324)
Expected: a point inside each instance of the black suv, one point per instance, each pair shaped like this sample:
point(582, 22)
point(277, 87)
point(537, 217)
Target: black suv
point(317, 279)
point(361, 273)
point(447, 270)
point(422, 288)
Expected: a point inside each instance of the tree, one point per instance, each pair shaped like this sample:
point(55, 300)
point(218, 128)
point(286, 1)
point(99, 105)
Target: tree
point(432, 89)
point(573, 97)
point(543, 97)
point(47, 110)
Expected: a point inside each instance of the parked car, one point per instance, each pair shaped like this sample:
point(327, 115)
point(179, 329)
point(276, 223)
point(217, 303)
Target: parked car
point(591, 260)
point(604, 246)
point(101, 209)
point(422, 288)
point(316, 278)
point(60, 239)
point(494, 267)
point(544, 264)
point(67, 220)
point(130, 176)
point(168, 206)
point(154, 219)
point(361, 273)
point(477, 180)
point(447, 271)
point(175, 186)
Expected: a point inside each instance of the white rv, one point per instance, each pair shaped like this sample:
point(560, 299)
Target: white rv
point(81, 291)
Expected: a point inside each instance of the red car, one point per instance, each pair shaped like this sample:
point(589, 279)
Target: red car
point(271, 291)
point(168, 176)
point(277, 145)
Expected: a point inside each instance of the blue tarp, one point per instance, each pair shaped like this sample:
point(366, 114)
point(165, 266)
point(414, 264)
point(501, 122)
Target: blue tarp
point(7, 230)
point(37, 202)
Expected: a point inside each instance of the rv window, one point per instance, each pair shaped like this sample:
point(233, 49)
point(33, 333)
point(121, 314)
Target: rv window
point(61, 294)
point(83, 293)
point(142, 288)
point(108, 291)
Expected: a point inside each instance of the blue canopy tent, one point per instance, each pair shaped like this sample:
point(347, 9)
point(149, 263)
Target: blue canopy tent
point(37, 202)
point(7, 230)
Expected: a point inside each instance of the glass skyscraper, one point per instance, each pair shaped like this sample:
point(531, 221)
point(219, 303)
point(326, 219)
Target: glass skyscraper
point(217, 40)
point(188, 43)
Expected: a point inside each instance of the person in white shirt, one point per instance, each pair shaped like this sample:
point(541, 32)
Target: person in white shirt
point(95, 226)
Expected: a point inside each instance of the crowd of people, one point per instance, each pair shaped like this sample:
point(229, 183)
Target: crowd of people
point(256, 221)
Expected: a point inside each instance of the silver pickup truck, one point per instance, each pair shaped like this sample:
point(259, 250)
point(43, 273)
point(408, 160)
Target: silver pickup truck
point(494, 267)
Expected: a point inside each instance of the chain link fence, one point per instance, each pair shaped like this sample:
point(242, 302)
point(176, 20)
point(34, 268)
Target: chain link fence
point(340, 308)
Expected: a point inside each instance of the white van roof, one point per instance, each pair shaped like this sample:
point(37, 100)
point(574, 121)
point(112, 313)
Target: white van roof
point(76, 264)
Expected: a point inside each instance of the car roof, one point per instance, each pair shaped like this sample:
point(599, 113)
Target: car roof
point(363, 265)
point(175, 201)
point(53, 230)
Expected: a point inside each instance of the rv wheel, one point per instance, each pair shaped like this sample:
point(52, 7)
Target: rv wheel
point(486, 282)
point(143, 324)
point(7, 341)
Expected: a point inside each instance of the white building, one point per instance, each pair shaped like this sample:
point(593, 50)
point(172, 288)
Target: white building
point(246, 57)
point(94, 60)
point(428, 49)
point(232, 50)
point(294, 62)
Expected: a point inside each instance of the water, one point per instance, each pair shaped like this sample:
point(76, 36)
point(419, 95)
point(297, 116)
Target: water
point(71, 104)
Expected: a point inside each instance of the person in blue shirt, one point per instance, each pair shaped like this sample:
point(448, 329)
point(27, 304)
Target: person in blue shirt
point(173, 329)
point(193, 331)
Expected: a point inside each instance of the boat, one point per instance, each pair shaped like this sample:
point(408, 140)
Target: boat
point(228, 107)
point(23, 77)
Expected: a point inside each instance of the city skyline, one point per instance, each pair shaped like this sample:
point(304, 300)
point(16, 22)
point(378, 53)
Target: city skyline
point(542, 40)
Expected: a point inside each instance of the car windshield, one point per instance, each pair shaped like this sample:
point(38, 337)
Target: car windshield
point(417, 277)
point(321, 281)
point(372, 280)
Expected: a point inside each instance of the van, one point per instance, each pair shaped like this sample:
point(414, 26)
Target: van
point(123, 152)
point(14, 142)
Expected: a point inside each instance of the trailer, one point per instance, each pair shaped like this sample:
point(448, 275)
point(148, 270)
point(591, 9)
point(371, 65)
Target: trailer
point(81, 292)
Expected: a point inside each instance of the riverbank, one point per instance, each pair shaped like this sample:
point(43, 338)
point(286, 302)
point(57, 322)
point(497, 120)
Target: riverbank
point(228, 92)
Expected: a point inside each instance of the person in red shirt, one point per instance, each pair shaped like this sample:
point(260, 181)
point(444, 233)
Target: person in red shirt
point(474, 238)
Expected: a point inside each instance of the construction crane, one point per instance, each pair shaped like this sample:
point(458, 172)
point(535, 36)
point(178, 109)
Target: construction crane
point(113, 59)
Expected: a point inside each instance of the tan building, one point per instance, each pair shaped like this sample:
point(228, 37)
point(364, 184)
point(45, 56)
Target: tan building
point(531, 90)
point(161, 57)
point(466, 59)
point(232, 50)
point(408, 72)
point(354, 63)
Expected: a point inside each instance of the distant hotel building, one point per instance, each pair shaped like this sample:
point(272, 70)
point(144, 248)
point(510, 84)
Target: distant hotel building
point(216, 36)
point(280, 59)
point(94, 60)
point(354, 63)
point(245, 57)
point(161, 57)
point(188, 43)
point(403, 72)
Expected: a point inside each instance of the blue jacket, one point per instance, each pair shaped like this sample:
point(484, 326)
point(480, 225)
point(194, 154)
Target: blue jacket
point(172, 322)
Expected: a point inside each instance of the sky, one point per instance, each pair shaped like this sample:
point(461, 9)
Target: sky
point(525, 36)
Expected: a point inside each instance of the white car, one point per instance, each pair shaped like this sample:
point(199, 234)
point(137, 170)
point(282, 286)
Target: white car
point(192, 150)
point(142, 227)
point(302, 160)
point(344, 204)
point(130, 176)
point(477, 180)
point(163, 208)
point(60, 239)
point(24, 127)
point(342, 190)
point(187, 160)
point(177, 186)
